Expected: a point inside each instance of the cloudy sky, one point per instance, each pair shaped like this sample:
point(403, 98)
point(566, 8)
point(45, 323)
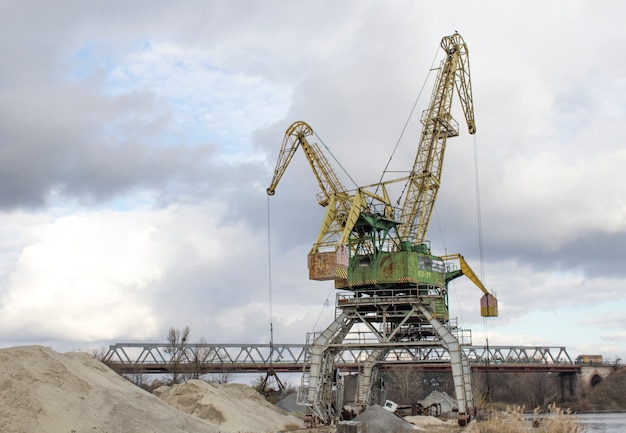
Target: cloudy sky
point(137, 140)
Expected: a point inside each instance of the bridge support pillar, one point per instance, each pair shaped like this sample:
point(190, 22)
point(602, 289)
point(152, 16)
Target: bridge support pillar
point(568, 386)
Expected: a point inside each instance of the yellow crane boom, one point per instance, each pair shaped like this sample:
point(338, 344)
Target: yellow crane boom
point(296, 136)
point(488, 303)
point(438, 125)
point(333, 194)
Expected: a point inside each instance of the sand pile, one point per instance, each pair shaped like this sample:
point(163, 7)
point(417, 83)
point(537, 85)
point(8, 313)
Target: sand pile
point(424, 423)
point(290, 405)
point(230, 407)
point(46, 392)
point(43, 391)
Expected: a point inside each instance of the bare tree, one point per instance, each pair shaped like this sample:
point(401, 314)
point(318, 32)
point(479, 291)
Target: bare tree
point(99, 353)
point(225, 375)
point(409, 385)
point(200, 354)
point(528, 389)
point(137, 378)
point(539, 388)
point(404, 385)
point(260, 384)
point(177, 349)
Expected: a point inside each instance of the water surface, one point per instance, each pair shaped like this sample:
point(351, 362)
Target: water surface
point(603, 422)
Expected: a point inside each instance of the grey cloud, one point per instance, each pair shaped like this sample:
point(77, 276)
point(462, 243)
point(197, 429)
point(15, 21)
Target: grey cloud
point(355, 69)
point(85, 147)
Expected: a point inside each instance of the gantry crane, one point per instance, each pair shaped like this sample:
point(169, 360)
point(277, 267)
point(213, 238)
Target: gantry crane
point(394, 290)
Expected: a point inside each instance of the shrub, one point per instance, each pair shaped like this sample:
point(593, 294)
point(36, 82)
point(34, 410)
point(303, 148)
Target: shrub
point(512, 421)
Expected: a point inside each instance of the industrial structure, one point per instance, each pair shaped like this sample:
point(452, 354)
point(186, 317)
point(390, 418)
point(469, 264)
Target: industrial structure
point(393, 290)
point(196, 359)
point(254, 358)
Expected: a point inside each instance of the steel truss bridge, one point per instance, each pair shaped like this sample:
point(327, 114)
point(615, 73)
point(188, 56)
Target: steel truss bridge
point(161, 358)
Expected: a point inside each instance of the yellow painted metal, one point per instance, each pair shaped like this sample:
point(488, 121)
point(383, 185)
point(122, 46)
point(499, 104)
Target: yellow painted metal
point(438, 125)
point(488, 306)
point(489, 302)
point(343, 207)
point(296, 136)
point(333, 194)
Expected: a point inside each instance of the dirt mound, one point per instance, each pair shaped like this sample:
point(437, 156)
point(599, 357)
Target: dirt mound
point(230, 407)
point(44, 391)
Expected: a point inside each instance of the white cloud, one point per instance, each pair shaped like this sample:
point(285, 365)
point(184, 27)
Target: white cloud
point(99, 275)
point(83, 277)
point(549, 107)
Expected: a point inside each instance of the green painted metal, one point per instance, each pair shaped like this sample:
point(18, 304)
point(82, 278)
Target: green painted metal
point(393, 268)
point(381, 264)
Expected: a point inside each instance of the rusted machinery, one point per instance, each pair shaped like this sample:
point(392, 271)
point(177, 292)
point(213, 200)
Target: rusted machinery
point(394, 291)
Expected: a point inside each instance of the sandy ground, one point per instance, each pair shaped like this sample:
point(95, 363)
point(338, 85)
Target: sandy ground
point(42, 391)
point(426, 423)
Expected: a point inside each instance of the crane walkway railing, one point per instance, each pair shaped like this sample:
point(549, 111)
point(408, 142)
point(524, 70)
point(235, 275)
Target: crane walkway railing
point(251, 358)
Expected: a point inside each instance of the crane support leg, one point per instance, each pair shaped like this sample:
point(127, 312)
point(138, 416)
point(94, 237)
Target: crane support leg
point(365, 378)
point(458, 364)
point(318, 382)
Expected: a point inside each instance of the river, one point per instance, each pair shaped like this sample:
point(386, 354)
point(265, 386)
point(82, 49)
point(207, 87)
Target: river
point(603, 422)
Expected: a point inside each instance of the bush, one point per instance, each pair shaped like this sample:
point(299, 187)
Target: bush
point(512, 421)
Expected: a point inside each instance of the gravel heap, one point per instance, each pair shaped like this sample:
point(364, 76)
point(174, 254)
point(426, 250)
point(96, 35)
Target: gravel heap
point(379, 420)
point(448, 404)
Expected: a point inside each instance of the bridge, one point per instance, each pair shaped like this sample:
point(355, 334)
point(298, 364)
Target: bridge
point(162, 358)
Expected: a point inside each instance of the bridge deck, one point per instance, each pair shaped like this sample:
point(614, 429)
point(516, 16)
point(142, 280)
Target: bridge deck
point(159, 358)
